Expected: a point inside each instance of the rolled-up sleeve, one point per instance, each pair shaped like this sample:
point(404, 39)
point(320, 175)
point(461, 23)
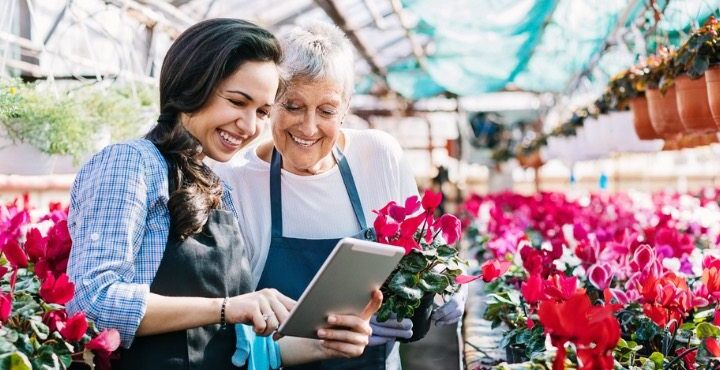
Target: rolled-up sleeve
point(107, 221)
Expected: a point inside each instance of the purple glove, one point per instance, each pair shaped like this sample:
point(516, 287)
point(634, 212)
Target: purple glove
point(388, 331)
point(452, 311)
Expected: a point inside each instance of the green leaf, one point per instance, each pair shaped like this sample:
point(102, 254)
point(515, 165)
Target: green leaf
point(413, 262)
point(45, 359)
point(445, 251)
point(41, 330)
point(15, 361)
point(657, 358)
point(404, 285)
point(706, 330)
point(433, 282)
point(699, 66)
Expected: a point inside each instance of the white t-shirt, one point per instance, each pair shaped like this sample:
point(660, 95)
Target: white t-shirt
point(317, 207)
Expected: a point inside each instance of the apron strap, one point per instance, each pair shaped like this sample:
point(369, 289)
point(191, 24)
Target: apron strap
point(350, 186)
point(276, 194)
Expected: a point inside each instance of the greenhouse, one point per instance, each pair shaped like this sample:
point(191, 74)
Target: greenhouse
point(360, 184)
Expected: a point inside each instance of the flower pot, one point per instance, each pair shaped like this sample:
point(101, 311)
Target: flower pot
point(693, 106)
point(421, 319)
point(532, 160)
point(24, 159)
point(641, 119)
point(712, 80)
point(663, 112)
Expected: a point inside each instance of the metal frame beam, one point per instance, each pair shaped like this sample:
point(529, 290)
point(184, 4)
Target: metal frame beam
point(331, 9)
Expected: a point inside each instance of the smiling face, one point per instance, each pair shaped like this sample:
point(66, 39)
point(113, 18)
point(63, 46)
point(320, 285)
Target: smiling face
point(235, 113)
point(306, 125)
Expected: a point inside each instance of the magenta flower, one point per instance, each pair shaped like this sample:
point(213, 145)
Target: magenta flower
point(600, 275)
point(449, 226)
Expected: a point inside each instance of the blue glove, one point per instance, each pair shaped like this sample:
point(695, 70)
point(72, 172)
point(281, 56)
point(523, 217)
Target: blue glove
point(388, 331)
point(260, 353)
point(452, 311)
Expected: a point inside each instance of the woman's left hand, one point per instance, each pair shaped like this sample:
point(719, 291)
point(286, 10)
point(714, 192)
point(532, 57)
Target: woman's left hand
point(348, 335)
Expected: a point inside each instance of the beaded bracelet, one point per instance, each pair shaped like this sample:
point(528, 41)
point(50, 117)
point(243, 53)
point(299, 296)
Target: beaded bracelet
point(222, 312)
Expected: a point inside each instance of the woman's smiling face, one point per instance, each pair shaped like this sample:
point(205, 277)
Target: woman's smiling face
point(235, 113)
point(306, 125)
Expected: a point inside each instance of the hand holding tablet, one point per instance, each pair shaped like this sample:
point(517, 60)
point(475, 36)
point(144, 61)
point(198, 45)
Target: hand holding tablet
point(343, 286)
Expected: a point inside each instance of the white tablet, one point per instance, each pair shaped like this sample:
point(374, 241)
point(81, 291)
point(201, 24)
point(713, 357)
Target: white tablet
point(343, 285)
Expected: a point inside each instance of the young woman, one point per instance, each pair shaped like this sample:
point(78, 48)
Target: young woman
point(157, 249)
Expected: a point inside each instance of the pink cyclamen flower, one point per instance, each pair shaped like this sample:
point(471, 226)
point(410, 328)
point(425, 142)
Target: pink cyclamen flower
point(600, 275)
point(431, 200)
point(493, 269)
point(450, 227)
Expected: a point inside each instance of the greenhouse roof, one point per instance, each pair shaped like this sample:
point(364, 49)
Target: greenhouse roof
point(417, 48)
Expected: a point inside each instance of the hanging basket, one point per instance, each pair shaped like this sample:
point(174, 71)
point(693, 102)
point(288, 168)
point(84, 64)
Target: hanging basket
point(693, 106)
point(663, 112)
point(641, 119)
point(712, 80)
point(532, 160)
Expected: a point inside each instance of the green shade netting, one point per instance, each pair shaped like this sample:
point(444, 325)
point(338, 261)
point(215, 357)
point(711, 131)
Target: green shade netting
point(479, 46)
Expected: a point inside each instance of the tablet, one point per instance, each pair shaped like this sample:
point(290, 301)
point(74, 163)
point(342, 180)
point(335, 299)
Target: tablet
point(343, 285)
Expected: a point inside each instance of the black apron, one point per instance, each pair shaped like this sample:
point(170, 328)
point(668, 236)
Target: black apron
point(210, 264)
point(293, 262)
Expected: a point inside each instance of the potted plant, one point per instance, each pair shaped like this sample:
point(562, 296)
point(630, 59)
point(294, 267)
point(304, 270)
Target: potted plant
point(119, 112)
point(632, 84)
point(36, 121)
point(431, 265)
point(662, 104)
point(692, 60)
point(35, 330)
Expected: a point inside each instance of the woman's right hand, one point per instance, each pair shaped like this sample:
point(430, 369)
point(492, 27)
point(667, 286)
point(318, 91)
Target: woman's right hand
point(265, 310)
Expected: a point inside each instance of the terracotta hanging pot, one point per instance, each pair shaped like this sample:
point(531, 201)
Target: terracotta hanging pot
point(641, 119)
point(693, 106)
point(532, 160)
point(663, 112)
point(712, 80)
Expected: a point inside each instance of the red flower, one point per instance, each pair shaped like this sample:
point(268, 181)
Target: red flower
point(6, 301)
point(711, 279)
point(53, 318)
point(533, 289)
point(103, 345)
point(561, 287)
point(408, 243)
point(14, 254)
point(712, 346)
point(74, 328)
point(431, 200)
point(450, 227)
point(688, 359)
point(397, 213)
point(35, 245)
point(385, 229)
point(492, 269)
point(464, 279)
point(59, 242)
point(58, 291)
point(532, 260)
point(412, 204)
point(106, 341)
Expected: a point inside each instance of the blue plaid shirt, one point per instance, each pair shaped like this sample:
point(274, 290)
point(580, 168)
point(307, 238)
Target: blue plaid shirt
point(119, 224)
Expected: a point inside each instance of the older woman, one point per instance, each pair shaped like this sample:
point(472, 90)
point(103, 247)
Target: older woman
point(315, 183)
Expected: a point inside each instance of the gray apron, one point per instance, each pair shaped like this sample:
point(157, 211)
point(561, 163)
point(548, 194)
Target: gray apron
point(210, 264)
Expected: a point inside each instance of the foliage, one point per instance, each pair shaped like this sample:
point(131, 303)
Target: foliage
point(699, 52)
point(69, 122)
point(36, 332)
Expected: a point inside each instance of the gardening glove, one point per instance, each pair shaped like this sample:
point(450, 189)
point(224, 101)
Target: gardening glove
point(388, 331)
point(451, 311)
point(257, 352)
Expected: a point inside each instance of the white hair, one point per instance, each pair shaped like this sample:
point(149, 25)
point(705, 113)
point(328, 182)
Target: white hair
point(318, 51)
